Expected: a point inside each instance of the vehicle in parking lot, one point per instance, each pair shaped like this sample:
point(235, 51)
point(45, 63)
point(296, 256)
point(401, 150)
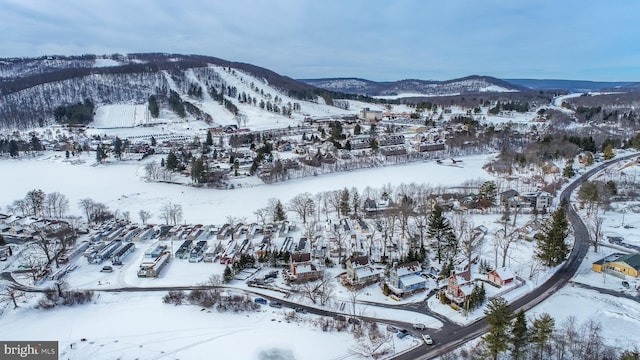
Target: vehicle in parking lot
point(107, 268)
point(419, 326)
point(260, 300)
point(275, 304)
point(427, 339)
point(392, 329)
point(402, 333)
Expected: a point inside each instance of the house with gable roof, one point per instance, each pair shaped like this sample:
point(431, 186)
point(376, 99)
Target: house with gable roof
point(301, 268)
point(405, 279)
point(459, 286)
point(359, 272)
point(500, 276)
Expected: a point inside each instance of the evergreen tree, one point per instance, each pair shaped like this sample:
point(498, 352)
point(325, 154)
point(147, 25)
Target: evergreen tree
point(209, 140)
point(100, 153)
point(35, 143)
point(607, 152)
point(117, 148)
point(439, 229)
point(373, 144)
point(487, 194)
point(355, 201)
point(541, 331)
point(357, 129)
point(498, 316)
point(153, 107)
point(519, 336)
point(344, 202)
point(172, 162)
point(551, 247)
point(228, 274)
point(568, 169)
point(13, 148)
point(278, 212)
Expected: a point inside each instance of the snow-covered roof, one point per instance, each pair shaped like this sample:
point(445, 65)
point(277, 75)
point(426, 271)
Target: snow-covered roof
point(412, 280)
point(408, 268)
point(504, 273)
point(366, 271)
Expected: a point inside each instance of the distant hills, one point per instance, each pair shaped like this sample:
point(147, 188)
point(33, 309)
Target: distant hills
point(574, 85)
point(414, 87)
point(31, 88)
point(466, 85)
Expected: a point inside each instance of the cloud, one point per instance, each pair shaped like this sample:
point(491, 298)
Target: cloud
point(378, 40)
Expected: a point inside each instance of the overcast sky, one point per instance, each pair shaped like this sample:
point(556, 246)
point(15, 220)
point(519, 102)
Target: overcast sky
point(372, 39)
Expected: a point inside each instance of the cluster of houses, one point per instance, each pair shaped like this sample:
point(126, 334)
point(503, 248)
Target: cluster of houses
point(116, 241)
point(22, 228)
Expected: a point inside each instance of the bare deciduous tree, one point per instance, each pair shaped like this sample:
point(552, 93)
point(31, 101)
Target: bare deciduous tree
point(57, 204)
point(11, 295)
point(171, 213)
point(152, 170)
point(144, 216)
point(233, 222)
point(303, 205)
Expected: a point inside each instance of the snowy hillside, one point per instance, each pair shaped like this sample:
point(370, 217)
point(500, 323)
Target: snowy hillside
point(414, 88)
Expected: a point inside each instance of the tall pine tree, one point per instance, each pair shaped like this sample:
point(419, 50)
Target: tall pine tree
point(519, 336)
point(440, 230)
point(498, 316)
point(551, 247)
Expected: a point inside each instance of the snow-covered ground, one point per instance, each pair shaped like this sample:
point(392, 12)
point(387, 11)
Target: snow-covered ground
point(140, 326)
point(118, 324)
point(120, 185)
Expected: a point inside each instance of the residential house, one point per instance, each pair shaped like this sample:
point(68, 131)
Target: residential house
point(500, 276)
point(301, 268)
point(359, 272)
point(539, 200)
point(509, 197)
point(459, 286)
point(405, 279)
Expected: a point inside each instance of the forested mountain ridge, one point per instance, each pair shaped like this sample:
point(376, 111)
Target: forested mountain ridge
point(31, 88)
point(469, 84)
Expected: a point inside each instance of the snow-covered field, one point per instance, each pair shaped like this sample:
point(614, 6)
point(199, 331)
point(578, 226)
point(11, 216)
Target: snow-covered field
point(138, 325)
point(120, 185)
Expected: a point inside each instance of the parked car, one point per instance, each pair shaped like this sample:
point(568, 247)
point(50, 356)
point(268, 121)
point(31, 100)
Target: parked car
point(392, 329)
point(419, 326)
point(402, 333)
point(275, 304)
point(260, 300)
point(427, 339)
point(107, 269)
point(300, 309)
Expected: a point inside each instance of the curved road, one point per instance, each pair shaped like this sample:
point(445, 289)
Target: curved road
point(452, 336)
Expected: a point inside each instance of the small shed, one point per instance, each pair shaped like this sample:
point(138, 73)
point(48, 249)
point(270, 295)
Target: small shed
point(500, 276)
